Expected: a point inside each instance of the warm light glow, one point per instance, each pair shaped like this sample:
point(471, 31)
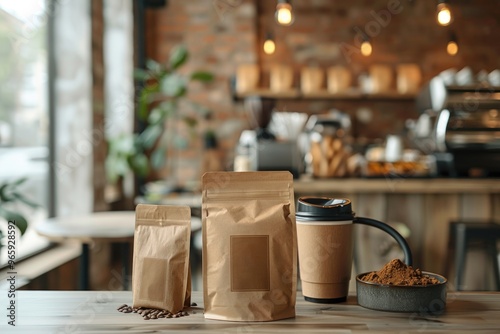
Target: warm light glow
point(269, 46)
point(444, 14)
point(284, 14)
point(452, 48)
point(366, 48)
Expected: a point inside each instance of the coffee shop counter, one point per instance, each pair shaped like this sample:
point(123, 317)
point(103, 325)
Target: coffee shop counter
point(96, 312)
point(424, 206)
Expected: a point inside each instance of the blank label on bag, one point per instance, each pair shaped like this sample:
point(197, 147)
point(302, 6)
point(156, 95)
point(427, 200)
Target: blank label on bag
point(250, 263)
point(153, 271)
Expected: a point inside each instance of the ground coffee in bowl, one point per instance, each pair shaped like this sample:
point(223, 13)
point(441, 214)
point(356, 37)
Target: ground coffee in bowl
point(398, 287)
point(397, 273)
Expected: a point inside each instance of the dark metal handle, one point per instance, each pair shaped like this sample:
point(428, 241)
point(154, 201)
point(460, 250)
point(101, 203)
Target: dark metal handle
point(388, 229)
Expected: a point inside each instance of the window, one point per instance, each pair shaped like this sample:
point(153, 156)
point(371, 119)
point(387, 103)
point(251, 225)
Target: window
point(24, 118)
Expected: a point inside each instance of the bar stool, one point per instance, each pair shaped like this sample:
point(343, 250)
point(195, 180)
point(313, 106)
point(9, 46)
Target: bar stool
point(461, 234)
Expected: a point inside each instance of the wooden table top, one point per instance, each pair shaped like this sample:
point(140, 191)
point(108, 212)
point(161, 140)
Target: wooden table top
point(112, 225)
point(95, 312)
point(96, 225)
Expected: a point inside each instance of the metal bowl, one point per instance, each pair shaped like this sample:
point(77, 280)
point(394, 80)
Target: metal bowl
point(428, 299)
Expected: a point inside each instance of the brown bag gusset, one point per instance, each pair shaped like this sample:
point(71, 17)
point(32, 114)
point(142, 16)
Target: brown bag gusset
point(161, 274)
point(249, 246)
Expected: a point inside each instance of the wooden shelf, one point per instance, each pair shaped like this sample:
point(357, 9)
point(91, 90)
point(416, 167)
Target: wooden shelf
point(325, 95)
point(396, 185)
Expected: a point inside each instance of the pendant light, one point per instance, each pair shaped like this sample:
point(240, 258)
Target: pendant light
point(284, 13)
point(269, 44)
point(452, 46)
point(444, 15)
point(366, 47)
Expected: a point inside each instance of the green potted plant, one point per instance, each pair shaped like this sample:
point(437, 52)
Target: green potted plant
point(10, 195)
point(164, 87)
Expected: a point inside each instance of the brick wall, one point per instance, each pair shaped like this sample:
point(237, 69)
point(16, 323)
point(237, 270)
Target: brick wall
point(411, 35)
point(218, 36)
point(224, 33)
point(323, 28)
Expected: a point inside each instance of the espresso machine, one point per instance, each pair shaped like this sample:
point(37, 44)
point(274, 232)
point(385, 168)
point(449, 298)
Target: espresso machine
point(461, 125)
point(259, 147)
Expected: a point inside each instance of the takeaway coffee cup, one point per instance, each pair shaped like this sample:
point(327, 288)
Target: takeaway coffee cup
point(325, 246)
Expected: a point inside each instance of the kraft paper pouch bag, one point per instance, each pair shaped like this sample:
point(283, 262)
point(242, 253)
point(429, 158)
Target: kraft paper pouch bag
point(160, 275)
point(249, 246)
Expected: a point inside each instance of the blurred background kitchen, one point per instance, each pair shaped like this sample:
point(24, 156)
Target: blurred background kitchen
point(109, 103)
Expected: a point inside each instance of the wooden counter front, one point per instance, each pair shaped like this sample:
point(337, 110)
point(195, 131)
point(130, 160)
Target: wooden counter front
point(425, 206)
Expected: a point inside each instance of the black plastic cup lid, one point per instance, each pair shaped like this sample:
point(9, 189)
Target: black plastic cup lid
point(324, 209)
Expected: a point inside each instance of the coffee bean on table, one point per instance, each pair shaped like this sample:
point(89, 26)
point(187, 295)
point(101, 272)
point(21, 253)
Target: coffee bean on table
point(152, 313)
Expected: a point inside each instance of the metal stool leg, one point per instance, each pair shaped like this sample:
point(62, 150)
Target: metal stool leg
point(84, 268)
point(492, 249)
point(450, 251)
point(125, 264)
point(460, 248)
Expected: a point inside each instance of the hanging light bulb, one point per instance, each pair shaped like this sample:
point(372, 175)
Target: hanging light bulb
point(269, 45)
point(444, 16)
point(284, 13)
point(452, 46)
point(366, 48)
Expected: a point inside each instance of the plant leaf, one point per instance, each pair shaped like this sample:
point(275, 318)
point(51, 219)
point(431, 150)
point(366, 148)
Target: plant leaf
point(7, 189)
point(122, 145)
point(3, 193)
point(158, 158)
point(173, 85)
point(168, 108)
point(153, 66)
point(191, 122)
point(202, 76)
point(156, 116)
point(116, 166)
point(25, 200)
point(150, 135)
point(145, 100)
point(141, 74)
point(178, 56)
point(19, 181)
point(142, 112)
point(20, 221)
point(139, 163)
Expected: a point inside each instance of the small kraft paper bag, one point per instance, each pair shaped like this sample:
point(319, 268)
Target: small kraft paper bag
point(249, 246)
point(161, 277)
